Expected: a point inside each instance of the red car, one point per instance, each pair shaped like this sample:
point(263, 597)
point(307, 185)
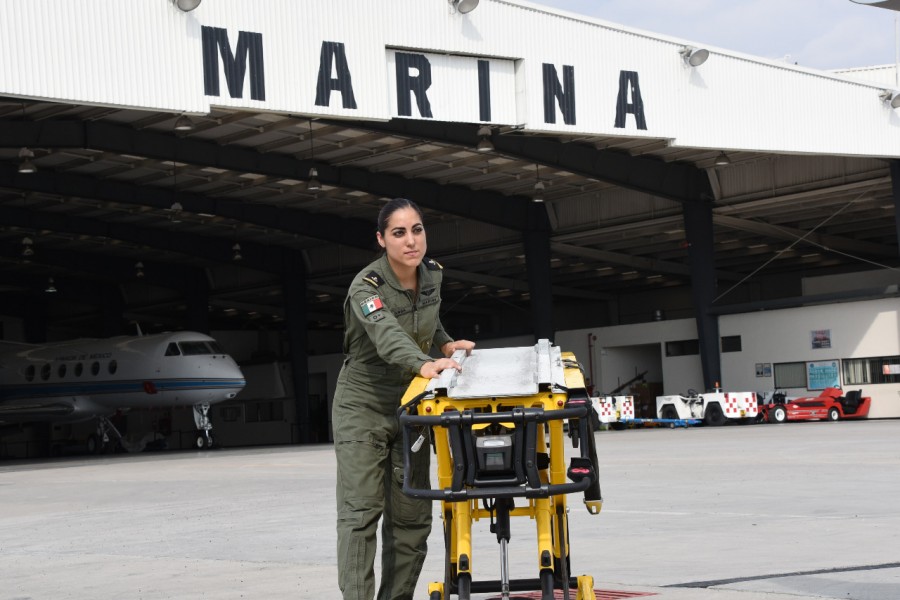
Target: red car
point(830, 405)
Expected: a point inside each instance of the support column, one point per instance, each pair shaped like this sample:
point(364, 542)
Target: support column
point(294, 291)
point(698, 224)
point(895, 192)
point(537, 262)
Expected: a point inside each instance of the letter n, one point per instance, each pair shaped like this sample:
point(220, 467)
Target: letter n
point(215, 43)
point(563, 94)
point(333, 58)
point(418, 85)
point(628, 82)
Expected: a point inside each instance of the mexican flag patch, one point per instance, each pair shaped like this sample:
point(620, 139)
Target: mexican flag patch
point(370, 305)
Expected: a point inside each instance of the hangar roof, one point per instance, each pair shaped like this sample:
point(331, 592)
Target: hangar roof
point(807, 190)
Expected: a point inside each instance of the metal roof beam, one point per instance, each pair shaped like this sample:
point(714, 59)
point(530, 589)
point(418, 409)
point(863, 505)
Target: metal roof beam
point(357, 233)
point(107, 266)
point(675, 181)
point(520, 285)
point(512, 212)
point(637, 262)
point(256, 256)
point(815, 239)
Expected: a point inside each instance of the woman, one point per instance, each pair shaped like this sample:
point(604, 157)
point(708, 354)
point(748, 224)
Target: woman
point(391, 321)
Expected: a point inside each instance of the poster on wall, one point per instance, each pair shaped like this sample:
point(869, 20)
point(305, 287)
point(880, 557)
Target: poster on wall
point(821, 338)
point(823, 374)
point(763, 369)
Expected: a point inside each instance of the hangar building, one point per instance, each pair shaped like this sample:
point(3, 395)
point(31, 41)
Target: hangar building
point(652, 203)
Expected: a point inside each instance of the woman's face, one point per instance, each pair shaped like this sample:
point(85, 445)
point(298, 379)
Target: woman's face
point(404, 238)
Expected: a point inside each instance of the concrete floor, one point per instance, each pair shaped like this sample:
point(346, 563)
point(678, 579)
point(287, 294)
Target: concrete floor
point(805, 510)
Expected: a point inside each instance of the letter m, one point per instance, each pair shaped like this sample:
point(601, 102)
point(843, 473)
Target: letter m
point(215, 43)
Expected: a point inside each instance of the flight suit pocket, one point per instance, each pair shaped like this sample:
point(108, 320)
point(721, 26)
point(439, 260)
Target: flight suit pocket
point(408, 510)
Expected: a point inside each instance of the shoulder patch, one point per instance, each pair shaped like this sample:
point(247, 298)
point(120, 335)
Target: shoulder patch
point(370, 306)
point(432, 265)
point(373, 278)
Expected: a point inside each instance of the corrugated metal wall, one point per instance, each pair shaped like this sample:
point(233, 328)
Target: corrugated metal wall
point(148, 54)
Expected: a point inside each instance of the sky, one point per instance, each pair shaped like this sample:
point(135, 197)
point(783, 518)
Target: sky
point(819, 34)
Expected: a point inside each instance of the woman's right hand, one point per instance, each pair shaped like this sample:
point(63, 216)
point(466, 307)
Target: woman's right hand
point(433, 368)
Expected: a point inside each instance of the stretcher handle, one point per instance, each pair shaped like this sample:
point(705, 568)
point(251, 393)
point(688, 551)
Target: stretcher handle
point(454, 419)
point(512, 491)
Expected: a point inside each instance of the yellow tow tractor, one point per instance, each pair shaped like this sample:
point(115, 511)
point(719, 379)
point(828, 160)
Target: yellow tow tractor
point(498, 430)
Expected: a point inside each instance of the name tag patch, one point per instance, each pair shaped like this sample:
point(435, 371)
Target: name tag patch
point(371, 305)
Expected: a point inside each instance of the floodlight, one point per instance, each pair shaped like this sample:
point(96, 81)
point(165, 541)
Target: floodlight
point(464, 6)
point(694, 57)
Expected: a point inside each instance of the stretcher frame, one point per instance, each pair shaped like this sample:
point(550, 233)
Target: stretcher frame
point(533, 395)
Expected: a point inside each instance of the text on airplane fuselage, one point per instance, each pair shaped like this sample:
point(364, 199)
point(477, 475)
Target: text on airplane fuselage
point(92, 356)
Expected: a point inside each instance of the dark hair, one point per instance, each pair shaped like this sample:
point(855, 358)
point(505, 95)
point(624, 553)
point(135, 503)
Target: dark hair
point(390, 208)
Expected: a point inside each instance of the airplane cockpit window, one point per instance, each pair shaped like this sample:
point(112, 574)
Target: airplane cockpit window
point(29, 373)
point(216, 348)
point(194, 348)
point(95, 368)
point(113, 366)
point(61, 371)
point(45, 372)
point(172, 349)
point(78, 369)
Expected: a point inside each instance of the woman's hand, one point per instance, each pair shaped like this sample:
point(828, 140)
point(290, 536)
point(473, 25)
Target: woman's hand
point(450, 347)
point(433, 368)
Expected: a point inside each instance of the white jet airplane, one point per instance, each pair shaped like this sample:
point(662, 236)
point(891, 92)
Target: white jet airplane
point(94, 378)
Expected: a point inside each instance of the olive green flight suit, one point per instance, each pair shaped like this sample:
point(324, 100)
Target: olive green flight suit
point(388, 334)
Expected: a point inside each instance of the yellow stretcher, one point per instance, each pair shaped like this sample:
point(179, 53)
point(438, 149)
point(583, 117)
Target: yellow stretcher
point(498, 431)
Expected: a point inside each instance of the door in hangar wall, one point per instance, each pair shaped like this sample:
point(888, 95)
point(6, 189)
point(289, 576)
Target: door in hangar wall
point(634, 371)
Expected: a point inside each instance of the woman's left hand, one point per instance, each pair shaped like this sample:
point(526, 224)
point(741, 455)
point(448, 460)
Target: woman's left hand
point(450, 347)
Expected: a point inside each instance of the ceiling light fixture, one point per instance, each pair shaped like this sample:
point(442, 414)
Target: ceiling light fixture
point(694, 57)
point(313, 184)
point(26, 166)
point(139, 269)
point(187, 5)
point(464, 6)
point(51, 288)
point(183, 123)
point(722, 160)
point(236, 252)
point(538, 185)
point(176, 207)
point(27, 246)
point(484, 144)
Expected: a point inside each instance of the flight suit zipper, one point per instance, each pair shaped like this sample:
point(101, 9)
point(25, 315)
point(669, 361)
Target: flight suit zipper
point(415, 310)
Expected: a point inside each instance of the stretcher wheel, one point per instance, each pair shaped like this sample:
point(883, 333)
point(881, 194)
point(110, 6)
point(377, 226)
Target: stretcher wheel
point(435, 596)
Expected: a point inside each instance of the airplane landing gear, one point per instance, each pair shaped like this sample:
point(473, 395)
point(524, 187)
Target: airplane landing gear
point(204, 438)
